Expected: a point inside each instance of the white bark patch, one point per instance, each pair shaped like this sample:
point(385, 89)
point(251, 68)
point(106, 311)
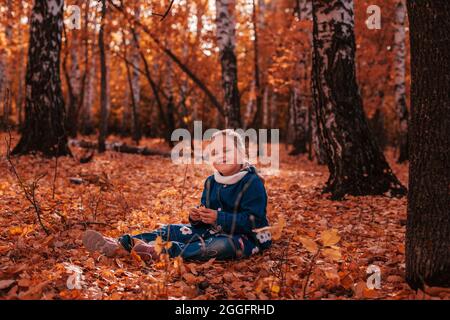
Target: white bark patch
point(38, 17)
point(55, 6)
point(225, 23)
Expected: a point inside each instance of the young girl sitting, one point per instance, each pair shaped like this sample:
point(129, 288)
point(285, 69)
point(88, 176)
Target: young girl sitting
point(233, 205)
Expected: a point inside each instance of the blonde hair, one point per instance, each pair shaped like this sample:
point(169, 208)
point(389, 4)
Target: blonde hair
point(238, 141)
point(240, 145)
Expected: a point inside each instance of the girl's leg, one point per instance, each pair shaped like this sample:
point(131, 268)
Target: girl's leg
point(182, 233)
point(221, 247)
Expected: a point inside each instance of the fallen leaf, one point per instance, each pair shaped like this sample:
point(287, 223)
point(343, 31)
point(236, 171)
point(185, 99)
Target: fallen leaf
point(4, 284)
point(329, 237)
point(333, 254)
point(309, 244)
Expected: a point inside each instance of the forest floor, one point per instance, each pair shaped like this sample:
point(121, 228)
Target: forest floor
point(122, 193)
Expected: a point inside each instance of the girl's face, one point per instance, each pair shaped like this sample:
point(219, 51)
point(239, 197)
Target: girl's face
point(224, 155)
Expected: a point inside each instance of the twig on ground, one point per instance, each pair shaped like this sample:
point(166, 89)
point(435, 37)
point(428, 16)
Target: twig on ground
point(29, 191)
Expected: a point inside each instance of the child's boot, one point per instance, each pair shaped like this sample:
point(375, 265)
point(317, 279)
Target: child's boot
point(95, 241)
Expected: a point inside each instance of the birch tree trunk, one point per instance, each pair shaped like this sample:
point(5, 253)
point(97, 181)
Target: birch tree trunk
point(135, 83)
point(44, 108)
point(428, 220)
point(75, 88)
point(226, 39)
point(399, 67)
point(303, 10)
point(90, 71)
point(356, 164)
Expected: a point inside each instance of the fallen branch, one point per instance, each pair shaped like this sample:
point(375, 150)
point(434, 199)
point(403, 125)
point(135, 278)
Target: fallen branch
point(120, 147)
point(87, 223)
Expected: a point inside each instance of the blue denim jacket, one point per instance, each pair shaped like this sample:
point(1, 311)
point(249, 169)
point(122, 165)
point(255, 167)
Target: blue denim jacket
point(241, 207)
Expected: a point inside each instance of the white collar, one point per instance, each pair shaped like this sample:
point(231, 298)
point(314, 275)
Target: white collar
point(235, 178)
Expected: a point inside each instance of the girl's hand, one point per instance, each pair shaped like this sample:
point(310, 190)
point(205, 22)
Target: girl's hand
point(208, 216)
point(194, 214)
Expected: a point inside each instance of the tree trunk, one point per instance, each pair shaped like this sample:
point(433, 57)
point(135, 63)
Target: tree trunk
point(103, 85)
point(135, 84)
point(399, 67)
point(356, 164)
point(90, 71)
point(20, 87)
point(6, 93)
point(258, 119)
point(303, 10)
point(226, 39)
point(428, 223)
point(170, 115)
point(74, 82)
point(299, 112)
point(44, 109)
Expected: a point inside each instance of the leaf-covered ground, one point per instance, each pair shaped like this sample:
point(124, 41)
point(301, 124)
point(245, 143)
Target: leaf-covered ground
point(130, 193)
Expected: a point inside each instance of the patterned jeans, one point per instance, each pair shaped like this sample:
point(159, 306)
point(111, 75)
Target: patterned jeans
point(193, 243)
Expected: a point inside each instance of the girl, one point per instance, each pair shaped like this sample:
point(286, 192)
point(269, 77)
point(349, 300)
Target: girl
point(233, 206)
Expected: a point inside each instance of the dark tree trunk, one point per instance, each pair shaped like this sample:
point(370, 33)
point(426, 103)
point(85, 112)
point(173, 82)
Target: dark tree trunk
point(299, 108)
point(43, 129)
point(428, 224)
point(356, 164)
point(226, 39)
point(376, 124)
point(103, 85)
point(300, 121)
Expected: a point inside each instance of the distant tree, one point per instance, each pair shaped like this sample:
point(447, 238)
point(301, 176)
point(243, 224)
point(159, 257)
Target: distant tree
point(103, 83)
point(74, 84)
point(356, 164)
point(135, 84)
point(43, 129)
point(226, 39)
point(428, 222)
point(299, 111)
point(400, 87)
point(89, 73)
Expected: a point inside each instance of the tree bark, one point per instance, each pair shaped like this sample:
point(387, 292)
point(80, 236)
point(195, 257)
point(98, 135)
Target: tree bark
point(299, 112)
point(226, 39)
point(428, 221)
point(44, 109)
point(356, 164)
point(303, 10)
point(258, 119)
point(74, 82)
point(400, 91)
point(135, 84)
point(103, 85)
point(90, 71)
